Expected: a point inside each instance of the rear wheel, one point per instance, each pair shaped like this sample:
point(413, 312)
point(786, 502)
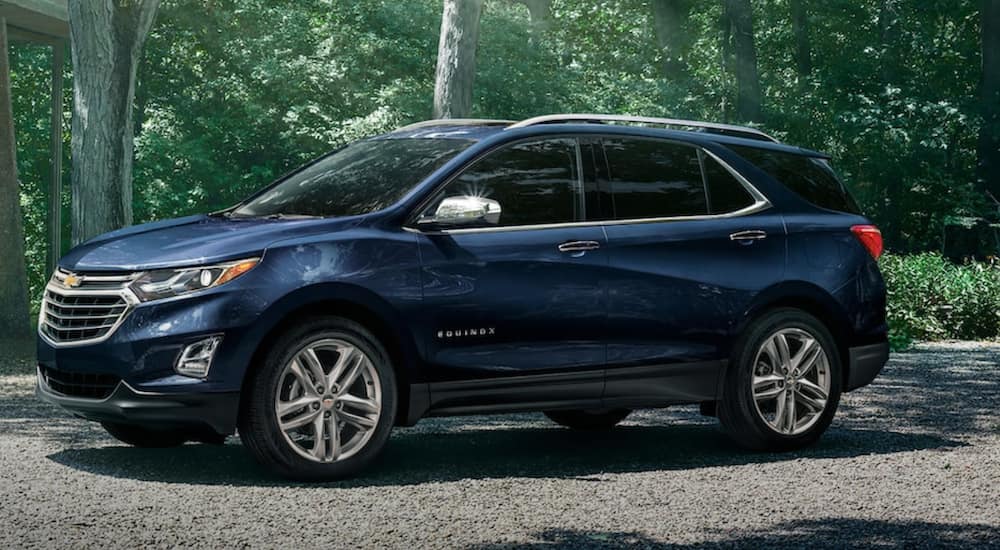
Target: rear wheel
point(588, 419)
point(783, 385)
point(322, 404)
point(138, 436)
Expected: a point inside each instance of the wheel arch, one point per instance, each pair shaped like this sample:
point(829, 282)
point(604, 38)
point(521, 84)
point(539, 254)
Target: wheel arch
point(350, 302)
point(811, 299)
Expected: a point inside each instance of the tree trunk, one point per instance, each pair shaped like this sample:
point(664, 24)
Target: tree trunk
point(456, 63)
point(540, 12)
point(989, 135)
point(669, 23)
point(13, 279)
point(803, 46)
point(748, 92)
point(106, 38)
point(889, 33)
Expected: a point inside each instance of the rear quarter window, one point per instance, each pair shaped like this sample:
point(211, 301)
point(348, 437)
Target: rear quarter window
point(810, 178)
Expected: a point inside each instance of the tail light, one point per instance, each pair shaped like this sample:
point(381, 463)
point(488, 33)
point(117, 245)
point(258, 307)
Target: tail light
point(870, 237)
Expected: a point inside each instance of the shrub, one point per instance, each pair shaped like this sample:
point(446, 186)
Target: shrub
point(931, 298)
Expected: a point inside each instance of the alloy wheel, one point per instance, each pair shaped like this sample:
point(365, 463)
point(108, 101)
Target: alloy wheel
point(329, 400)
point(791, 381)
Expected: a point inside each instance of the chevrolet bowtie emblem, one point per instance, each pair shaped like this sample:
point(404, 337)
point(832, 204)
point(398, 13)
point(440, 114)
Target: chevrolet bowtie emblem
point(72, 281)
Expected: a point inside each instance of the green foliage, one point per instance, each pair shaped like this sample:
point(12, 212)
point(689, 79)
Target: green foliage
point(233, 93)
point(931, 298)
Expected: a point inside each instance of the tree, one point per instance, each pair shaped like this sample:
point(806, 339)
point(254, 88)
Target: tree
point(989, 135)
point(106, 37)
point(540, 12)
point(749, 97)
point(456, 61)
point(889, 34)
point(670, 25)
point(13, 279)
point(803, 47)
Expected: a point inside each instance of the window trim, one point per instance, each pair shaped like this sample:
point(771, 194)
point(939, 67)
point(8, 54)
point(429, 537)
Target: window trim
point(760, 204)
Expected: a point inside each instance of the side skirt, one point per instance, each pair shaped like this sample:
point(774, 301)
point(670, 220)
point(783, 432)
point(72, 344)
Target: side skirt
point(652, 386)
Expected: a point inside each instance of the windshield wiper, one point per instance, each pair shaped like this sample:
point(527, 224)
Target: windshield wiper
point(290, 217)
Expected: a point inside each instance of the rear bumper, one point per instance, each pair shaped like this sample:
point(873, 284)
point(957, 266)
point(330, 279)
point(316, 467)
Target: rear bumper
point(865, 363)
point(216, 411)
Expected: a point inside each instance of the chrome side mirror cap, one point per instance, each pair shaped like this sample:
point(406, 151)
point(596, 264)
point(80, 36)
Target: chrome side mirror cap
point(464, 210)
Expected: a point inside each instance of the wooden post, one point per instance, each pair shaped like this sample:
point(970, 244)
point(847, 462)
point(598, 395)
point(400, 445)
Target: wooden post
point(14, 323)
point(55, 186)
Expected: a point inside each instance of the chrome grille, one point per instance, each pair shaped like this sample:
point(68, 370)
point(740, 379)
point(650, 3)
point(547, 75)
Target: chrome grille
point(84, 308)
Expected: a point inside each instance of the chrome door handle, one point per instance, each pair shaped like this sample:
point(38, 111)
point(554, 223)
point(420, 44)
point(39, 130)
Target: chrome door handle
point(579, 246)
point(751, 235)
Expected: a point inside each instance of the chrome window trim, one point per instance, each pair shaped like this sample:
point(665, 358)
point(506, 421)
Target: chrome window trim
point(760, 204)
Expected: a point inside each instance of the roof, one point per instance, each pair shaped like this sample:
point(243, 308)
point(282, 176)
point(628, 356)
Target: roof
point(36, 20)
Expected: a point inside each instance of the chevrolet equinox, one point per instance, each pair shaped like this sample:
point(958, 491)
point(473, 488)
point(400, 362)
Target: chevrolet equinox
point(579, 265)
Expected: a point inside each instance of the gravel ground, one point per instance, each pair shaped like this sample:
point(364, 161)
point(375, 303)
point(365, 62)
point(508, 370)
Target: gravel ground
point(911, 461)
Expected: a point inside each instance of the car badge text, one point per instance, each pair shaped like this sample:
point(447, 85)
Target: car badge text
point(466, 332)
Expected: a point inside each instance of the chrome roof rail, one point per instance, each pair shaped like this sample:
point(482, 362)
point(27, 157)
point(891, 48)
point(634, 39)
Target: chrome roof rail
point(454, 122)
point(724, 129)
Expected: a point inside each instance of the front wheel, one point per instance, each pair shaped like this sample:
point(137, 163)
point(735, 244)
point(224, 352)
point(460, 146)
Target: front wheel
point(783, 384)
point(322, 404)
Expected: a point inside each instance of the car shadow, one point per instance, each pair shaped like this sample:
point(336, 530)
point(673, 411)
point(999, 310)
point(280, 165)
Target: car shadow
point(818, 533)
point(418, 456)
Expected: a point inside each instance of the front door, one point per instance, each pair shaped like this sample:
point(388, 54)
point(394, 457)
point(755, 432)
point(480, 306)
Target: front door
point(516, 300)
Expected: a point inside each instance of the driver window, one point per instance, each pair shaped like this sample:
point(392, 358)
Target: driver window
point(532, 183)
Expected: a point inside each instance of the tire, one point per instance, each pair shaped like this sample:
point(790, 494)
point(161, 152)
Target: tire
point(754, 422)
point(589, 420)
point(297, 453)
point(146, 438)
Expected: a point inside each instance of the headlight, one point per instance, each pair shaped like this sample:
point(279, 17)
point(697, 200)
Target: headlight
point(167, 283)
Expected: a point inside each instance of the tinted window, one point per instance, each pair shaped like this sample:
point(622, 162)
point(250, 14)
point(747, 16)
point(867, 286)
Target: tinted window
point(535, 183)
point(363, 177)
point(811, 178)
point(725, 193)
point(654, 179)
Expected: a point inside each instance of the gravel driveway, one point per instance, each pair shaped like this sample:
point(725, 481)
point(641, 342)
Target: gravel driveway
point(911, 461)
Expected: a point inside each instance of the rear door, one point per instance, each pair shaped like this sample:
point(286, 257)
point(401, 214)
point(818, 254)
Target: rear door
point(690, 244)
point(521, 295)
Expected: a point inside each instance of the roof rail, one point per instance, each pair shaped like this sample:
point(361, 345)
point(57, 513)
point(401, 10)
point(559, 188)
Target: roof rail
point(723, 129)
point(455, 122)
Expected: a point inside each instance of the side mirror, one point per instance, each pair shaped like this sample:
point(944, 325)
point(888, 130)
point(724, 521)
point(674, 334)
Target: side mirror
point(464, 210)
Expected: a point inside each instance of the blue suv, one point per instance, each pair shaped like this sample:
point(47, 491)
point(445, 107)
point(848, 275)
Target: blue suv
point(579, 265)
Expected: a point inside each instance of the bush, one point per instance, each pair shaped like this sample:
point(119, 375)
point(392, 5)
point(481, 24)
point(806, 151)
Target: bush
point(931, 298)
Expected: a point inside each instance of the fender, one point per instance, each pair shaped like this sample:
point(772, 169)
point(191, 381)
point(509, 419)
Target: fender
point(801, 294)
point(314, 296)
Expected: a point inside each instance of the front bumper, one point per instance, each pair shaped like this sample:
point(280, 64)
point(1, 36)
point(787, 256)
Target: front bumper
point(127, 405)
point(865, 363)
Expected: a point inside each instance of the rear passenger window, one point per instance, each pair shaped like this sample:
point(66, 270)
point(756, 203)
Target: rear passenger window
point(810, 178)
point(654, 179)
point(725, 193)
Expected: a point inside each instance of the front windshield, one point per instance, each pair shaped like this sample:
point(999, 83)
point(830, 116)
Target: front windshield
point(363, 177)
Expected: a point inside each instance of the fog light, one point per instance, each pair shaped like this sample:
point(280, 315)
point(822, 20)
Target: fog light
point(196, 358)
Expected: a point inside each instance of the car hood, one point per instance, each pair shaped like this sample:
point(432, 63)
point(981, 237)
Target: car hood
point(194, 240)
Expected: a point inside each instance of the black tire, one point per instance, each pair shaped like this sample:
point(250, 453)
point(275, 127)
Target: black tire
point(138, 436)
point(589, 420)
point(258, 422)
point(737, 411)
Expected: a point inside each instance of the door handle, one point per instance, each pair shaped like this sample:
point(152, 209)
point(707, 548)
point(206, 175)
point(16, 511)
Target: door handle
point(579, 246)
point(751, 235)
